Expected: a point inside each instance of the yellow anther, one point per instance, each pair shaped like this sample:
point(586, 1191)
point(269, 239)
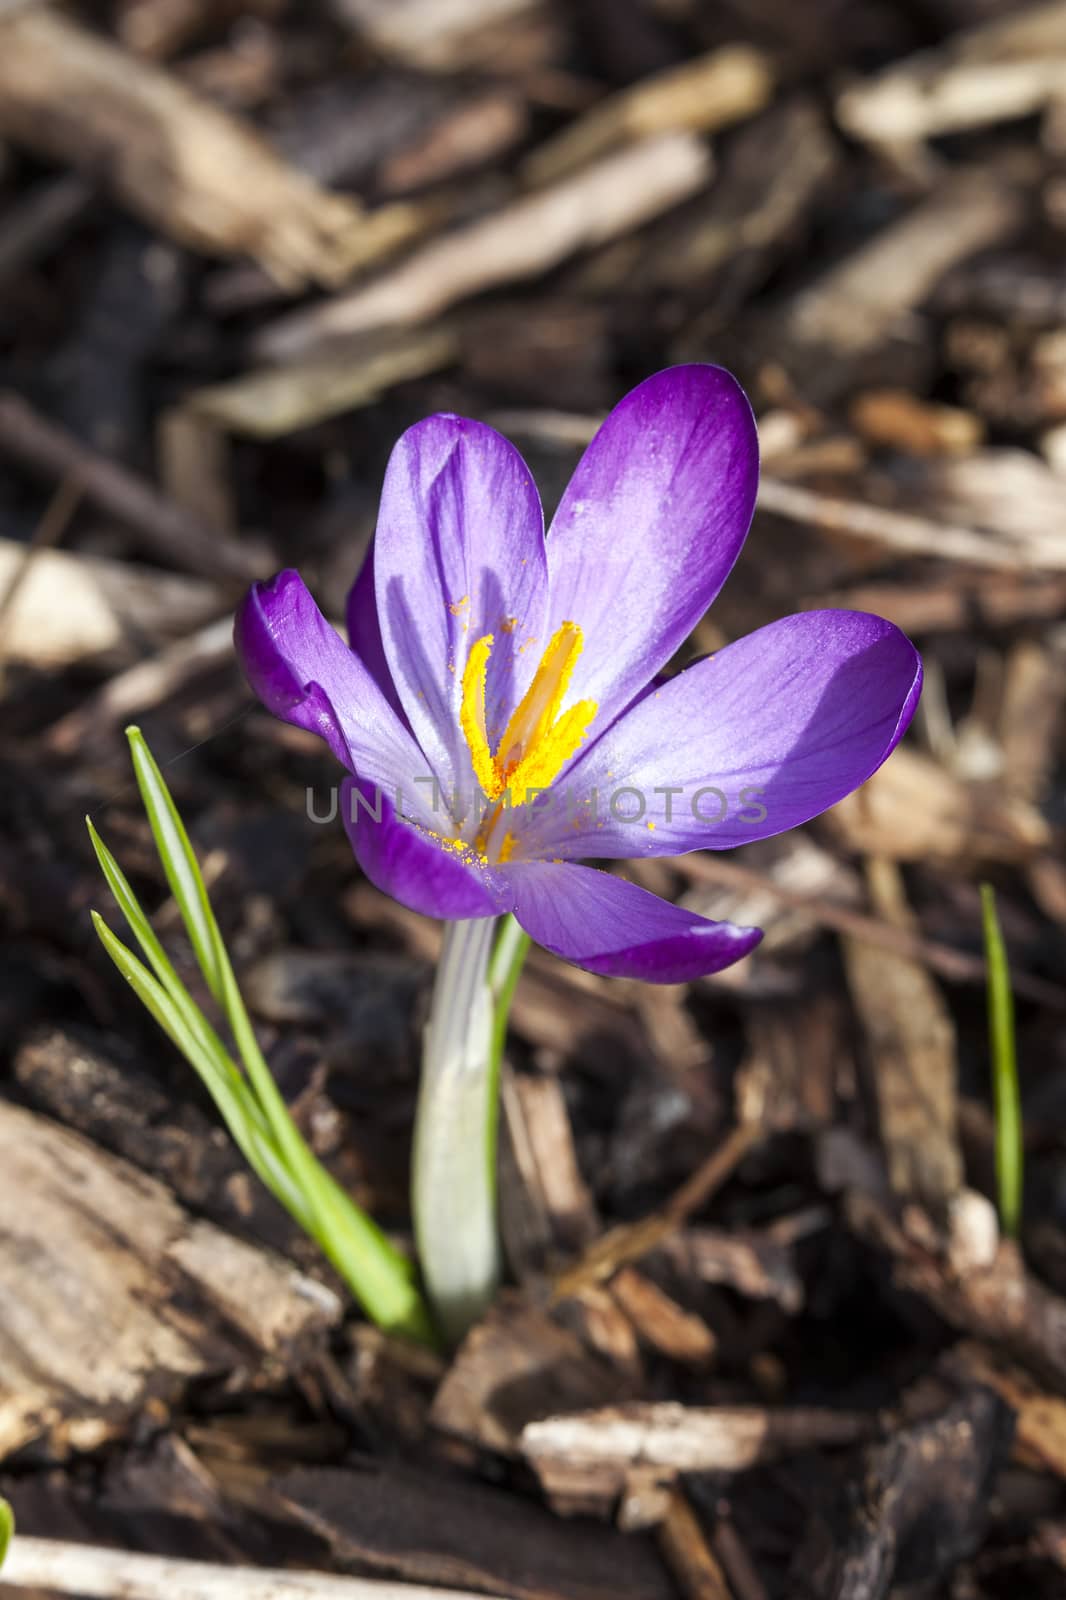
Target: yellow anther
point(472, 717)
point(537, 742)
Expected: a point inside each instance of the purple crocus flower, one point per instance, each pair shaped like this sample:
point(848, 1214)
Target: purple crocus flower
point(499, 708)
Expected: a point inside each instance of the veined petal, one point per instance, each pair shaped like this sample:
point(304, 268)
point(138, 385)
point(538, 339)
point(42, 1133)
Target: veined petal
point(458, 557)
point(412, 867)
point(756, 739)
point(649, 527)
point(611, 927)
point(364, 631)
point(304, 673)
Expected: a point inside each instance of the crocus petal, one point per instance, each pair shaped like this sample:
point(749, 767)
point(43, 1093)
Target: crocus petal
point(304, 673)
point(458, 554)
point(407, 864)
point(364, 632)
point(756, 739)
point(611, 927)
point(649, 527)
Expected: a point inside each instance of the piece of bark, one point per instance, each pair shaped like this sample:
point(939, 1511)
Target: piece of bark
point(919, 1507)
point(1023, 546)
point(895, 419)
point(111, 1295)
point(432, 1528)
point(523, 239)
point(667, 1327)
point(854, 307)
point(913, 809)
point(181, 164)
point(958, 965)
point(910, 1054)
point(690, 1558)
point(699, 96)
point(275, 401)
point(1001, 1303)
point(68, 607)
point(160, 527)
point(89, 1084)
point(435, 35)
point(469, 135)
point(548, 1212)
point(628, 1243)
point(1040, 1418)
point(1034, 694)
point(724, 247)
point(194, 469)
point(1011, 493)
point(758, 1264)
point(1006, 69)
point(585, 1457)
point(141, 687)
point(966, 600)
point(59, 1567)
point(517, 1364)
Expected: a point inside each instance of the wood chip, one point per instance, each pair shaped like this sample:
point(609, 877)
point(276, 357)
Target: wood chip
point(157, 525)
point(690, 1558)
point(1006, 69)
point(558, 1215)
point(517, 1364)
point(521, 240)
point(910, 1054)
point(431, 1528)
point(129, 1296)
point(72, 96)
point(68, 607)
point(854, 307)
point(275, 401)
point(58, 1567)
point(700, 96)
point(913, 809)
point(902, 421)
point(436, 35)
point(590, 1453)
point(675, 1333)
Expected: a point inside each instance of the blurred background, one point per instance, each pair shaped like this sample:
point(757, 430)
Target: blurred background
point(242, 247)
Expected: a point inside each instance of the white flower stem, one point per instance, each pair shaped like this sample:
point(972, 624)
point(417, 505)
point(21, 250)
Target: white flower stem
point(453, 1178)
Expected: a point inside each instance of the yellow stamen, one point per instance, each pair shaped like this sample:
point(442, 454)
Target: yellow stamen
point(472, 717)
point(537, 742)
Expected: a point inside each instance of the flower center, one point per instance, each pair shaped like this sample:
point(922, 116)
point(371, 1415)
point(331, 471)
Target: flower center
point(537, 742)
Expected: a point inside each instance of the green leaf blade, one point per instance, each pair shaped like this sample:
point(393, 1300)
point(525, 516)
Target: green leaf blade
point(1010, 1159)
point(7, 1528)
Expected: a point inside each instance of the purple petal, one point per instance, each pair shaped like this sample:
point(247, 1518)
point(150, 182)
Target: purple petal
point(649, 527)
point(608, 926)
point(773, 730)
point(304, 673)
point(403, 862)
point(458, 553)
point(364, 631)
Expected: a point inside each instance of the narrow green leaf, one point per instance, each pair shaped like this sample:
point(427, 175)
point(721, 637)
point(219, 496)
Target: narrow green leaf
point(7, 1528)
point(176, 853)
point(189, 1030)
point(1006, 1093)
point(380, 1276)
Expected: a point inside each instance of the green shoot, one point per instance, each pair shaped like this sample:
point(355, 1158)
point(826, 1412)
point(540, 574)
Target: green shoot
point(380, 1276)
point(7, 1528)
point(1008, 1106)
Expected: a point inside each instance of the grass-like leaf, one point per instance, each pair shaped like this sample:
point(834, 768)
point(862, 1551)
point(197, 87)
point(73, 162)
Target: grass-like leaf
point(1006, 1093)
point(7, 1528)
point(379, 1275)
